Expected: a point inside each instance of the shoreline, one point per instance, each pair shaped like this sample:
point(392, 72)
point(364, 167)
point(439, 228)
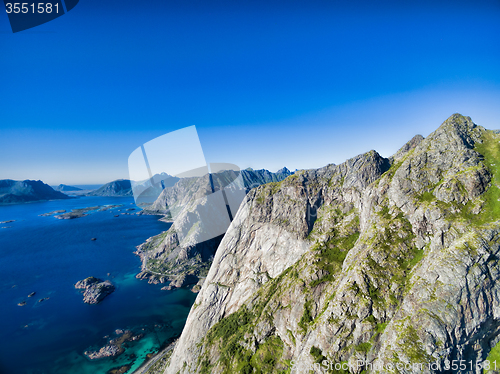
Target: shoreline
point(166, 350)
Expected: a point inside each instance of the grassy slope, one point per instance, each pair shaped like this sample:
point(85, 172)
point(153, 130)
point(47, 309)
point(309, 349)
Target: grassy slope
point(230, 330)
point(490, 149)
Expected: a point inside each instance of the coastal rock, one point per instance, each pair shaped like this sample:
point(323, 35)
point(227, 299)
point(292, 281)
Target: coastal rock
point(87, 282)
point(95, 290)
point(114, 347)
point(109, 350)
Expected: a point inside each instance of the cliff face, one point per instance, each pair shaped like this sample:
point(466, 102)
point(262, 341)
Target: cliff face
point(186, 190)
point(28, 190)
point(183, 254)
point(371, 263)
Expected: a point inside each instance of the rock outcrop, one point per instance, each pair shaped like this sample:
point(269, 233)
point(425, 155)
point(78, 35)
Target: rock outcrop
point(95, 290)
point(377, 265)
point(27, 191)
point(114, 347)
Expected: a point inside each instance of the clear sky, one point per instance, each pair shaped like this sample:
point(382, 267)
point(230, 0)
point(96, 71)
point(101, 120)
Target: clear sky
point(267, 83)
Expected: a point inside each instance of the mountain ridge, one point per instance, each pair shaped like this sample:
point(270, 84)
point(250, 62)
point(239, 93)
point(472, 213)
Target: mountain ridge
point(164, 258)
point(12, 191)
point(379, 261)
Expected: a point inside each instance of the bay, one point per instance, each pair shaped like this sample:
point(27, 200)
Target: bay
point(46, 255)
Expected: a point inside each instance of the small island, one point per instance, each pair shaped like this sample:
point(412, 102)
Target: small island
point(114, 347)
point(77, 213)
point(82, 212)
point(52, 213)
point(95, 290)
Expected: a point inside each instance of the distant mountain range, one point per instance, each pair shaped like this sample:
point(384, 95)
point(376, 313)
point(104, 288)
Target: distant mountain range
point(123, 187)
point(26, 191)
point(167, 258)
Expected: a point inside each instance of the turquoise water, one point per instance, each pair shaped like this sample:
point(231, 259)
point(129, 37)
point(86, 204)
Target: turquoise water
point(48, 255)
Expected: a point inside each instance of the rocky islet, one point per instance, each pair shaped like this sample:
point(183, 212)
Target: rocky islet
point(114, 347)
point(94, 289)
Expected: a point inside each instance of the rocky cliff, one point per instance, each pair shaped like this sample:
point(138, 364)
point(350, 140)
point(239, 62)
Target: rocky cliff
point(182, 255)
point(381, 265)
point(26, 191)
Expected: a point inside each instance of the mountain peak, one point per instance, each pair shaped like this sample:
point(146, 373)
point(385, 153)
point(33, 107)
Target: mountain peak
point(459, 121)
point(352, 254)
point(119, 187)
point(457, 131)
point(283, 170)
point(416, 140)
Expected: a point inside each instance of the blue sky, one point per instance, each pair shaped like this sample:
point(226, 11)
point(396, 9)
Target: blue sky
point(267, 83)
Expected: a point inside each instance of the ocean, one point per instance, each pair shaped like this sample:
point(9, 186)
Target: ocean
point(48, 256)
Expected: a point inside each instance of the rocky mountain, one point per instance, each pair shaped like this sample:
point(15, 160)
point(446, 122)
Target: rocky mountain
point(376, 265)
point(183, 254)
point(120, 187)
point(185, 190)
point(25, 191)
point(147, 191)
point(66, 188)
point(257, 177)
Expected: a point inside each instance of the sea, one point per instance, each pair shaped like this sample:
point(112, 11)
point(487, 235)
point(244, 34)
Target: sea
point(48, 256)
